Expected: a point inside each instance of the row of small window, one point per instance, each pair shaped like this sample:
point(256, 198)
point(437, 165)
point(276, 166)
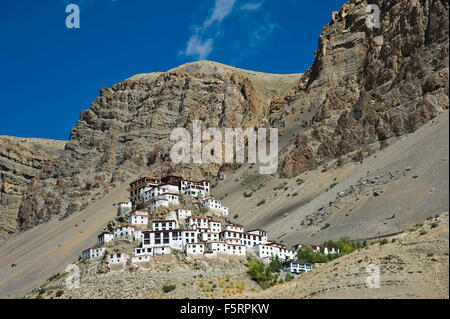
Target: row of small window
point(143, 250)
point(301, 266)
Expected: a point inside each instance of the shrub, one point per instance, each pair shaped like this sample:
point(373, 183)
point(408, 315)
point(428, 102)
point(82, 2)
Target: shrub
point(168, 288)
point(383, 241)
point(59, 293)
point(242, 287)
point(294, 194)
point(120, 219)
point(235, 216)
point(275, 264)
point(288, 277)
point(261, 202)
point(423, 232)
point(260, 273)
point(309, 255)
point(434, 225)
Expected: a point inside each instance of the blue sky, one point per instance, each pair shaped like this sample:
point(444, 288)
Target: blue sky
point(49, 73)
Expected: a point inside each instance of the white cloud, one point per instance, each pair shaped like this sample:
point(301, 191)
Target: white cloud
point(251, 6)
point(222, 8)
point(198, 48)
point(243, 35)
point(200, 44)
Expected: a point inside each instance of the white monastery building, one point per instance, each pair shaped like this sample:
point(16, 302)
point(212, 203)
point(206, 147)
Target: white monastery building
point(104, 238)
point(196, 236)
point(138, 217)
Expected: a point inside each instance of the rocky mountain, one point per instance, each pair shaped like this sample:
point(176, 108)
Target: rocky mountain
point(363, 143)
point(365, 86)
point(21, 160)
point(126, 131)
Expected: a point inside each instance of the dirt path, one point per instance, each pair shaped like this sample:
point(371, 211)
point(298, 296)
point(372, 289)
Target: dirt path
point(48, 248)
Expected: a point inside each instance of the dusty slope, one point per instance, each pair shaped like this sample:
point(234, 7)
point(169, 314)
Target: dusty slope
point(32, 251)
point(393, 85)
point(414, 266)
point(50, 247)
point(365, 86)
point(21, 159)
point(424, 154)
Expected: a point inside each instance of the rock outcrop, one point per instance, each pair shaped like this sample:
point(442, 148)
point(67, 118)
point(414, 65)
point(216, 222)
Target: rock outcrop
point(364, 86)
point(21, 159)
point(369, 84)
point(126, 131)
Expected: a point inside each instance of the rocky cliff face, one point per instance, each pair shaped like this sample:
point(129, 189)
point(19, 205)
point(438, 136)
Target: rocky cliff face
point(126, 131)
point(21, 159)
point(365, 85)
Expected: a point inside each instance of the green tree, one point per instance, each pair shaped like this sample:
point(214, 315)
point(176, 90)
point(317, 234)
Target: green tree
point(256, 270)
point(275, 264)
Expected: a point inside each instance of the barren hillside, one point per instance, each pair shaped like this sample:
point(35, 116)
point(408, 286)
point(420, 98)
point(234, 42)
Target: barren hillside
point(414, 264)
point(387, 192)
point(363, 144)
point(21, 159)
point(365, 86)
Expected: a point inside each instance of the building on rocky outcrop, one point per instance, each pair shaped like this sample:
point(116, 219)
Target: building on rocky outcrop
point(138, 217)
point(119, 259)
point(296, 267)
point(93, 253)
point(196, 236)
point(271, 250)
point(164, 200)
point(124, 208)
point(214, 205)
point(104, 238)
point(195, 189)
point(194, 249)
point(160, 225)
point(183, 213)
point(124, 232)
point(149, 189)
point(325, 249)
